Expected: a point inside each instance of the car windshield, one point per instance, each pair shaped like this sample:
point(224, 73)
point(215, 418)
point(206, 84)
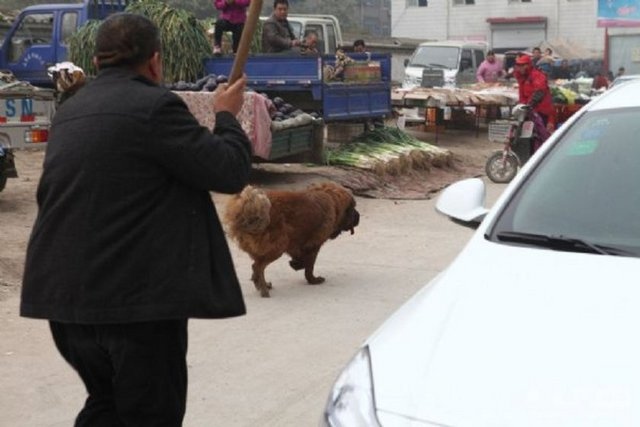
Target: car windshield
point(436, 56)
point(587, 188)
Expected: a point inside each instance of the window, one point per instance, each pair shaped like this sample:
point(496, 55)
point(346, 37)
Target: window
point(34, 29)
point(69, 25)
point(417, 3)
point(465, 59)
point(463, 2)
point(479, 56)
point(317, 28)
point(331, 37)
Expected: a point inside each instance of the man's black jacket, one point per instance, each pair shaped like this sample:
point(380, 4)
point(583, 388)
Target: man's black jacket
point(126, 230)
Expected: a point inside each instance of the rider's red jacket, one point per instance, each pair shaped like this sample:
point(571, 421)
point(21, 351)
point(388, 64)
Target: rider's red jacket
point(530, 82)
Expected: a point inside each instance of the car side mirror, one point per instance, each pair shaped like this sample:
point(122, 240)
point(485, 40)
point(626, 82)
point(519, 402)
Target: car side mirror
point(463, 202)
point(406, 62)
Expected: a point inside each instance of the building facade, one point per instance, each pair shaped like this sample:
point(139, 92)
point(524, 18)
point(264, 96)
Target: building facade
point(507, 24)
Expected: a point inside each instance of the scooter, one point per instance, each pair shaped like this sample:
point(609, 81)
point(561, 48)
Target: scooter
point(7, 165)
point(520, 135)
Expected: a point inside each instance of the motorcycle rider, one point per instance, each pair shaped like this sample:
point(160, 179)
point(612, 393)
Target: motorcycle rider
point(533, 90)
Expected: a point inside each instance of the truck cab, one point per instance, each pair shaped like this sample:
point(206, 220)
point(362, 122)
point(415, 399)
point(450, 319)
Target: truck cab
point(39, 37)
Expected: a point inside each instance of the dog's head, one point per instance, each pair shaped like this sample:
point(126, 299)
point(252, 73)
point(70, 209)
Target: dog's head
point(350, 219)
point(345, 207)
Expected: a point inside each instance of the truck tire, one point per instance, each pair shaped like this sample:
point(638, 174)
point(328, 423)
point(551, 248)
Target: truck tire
point(501, 169)
point(3, 182)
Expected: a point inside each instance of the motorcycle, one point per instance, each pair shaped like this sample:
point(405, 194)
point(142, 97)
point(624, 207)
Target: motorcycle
point(521, 136)
point(7, 165)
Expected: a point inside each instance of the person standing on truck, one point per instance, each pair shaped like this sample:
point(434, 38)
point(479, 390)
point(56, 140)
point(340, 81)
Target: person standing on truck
point(491, 69)
point(232, 16)
point(277, 35)
point(533, 90)
point(127, 244)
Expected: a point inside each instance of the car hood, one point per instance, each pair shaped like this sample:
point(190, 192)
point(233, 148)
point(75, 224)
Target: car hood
point(510, 336)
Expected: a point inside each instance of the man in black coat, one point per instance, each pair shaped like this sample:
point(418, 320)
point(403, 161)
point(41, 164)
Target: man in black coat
point(127, 244)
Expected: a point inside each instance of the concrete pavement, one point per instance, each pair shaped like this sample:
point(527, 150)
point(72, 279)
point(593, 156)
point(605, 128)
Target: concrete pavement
point(274, 366)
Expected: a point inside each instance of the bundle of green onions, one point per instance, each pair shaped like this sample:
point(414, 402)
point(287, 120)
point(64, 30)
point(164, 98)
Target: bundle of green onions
point(387, 150)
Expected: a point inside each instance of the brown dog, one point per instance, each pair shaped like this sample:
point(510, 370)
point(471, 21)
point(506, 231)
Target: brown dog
point(267, 224)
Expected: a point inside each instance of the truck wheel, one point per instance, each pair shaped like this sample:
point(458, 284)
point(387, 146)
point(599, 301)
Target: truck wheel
point(3, 182)
point(501, 169)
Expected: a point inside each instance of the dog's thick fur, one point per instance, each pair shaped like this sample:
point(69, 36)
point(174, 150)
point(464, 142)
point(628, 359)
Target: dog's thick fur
point(268, 224)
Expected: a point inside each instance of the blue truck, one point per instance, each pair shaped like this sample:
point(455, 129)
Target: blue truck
point(39, 36)
point(300, 80)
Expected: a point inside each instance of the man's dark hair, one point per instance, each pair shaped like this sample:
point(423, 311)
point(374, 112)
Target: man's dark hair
point(359, 42)
point(277, 2)
point(126, 39)
point(536, 49)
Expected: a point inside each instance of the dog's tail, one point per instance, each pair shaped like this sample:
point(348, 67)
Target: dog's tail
point(248, 212)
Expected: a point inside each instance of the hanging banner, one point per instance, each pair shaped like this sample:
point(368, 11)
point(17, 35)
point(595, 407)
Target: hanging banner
point(618, 13)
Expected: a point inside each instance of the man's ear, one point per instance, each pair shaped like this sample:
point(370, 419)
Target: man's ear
point(154, 67)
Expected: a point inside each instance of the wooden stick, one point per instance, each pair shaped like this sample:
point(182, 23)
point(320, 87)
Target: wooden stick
point(249, 29)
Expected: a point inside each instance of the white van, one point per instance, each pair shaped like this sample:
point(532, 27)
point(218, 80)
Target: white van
point(443, 64)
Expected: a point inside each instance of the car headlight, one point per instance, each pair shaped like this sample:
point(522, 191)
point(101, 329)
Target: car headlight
point(351, 401)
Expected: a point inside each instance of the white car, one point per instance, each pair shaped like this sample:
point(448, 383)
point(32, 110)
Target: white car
point(537, 321)
point(624, 78)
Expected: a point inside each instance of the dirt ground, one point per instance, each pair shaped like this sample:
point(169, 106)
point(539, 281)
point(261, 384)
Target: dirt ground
point(18, 207)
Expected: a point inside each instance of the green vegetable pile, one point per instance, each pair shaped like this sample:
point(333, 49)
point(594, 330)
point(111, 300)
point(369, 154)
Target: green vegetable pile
point(184, 41)
point(563, 95)
point(387, 150)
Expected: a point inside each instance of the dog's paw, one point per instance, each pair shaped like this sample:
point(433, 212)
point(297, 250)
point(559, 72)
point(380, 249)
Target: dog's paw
point(315, 280)
point(296, 264)
point(264, 293)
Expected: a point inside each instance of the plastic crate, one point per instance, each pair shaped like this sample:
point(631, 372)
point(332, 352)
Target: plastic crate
point(290, 141)
point(500, 130)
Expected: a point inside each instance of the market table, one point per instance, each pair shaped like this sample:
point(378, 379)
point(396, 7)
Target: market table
point(481, 96)
point(254, 117)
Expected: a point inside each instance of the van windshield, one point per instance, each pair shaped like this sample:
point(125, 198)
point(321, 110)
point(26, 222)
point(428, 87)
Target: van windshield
point(436, 56)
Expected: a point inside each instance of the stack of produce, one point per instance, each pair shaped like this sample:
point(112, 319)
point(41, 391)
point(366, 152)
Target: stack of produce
point(388, 150)
point(208, 83)
point(285, 115)
point(562, 95)
point(184, 40)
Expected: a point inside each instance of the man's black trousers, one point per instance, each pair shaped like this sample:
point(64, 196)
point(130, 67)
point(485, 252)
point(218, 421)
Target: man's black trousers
point(135, 373)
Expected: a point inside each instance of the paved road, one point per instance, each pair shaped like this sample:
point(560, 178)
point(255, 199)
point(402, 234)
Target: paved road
point(274, 366)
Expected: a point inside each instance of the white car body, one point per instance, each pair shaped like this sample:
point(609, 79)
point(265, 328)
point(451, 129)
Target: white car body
point(509, 335)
